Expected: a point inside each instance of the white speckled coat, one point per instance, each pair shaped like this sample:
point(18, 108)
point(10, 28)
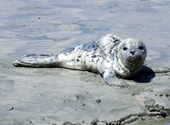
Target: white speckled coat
point(109, 56)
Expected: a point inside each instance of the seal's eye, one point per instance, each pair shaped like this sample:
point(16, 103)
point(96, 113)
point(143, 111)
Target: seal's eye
point(141, 47)
point(124, 48)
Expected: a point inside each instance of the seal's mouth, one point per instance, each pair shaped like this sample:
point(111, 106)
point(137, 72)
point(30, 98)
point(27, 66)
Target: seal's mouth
point(134, 58)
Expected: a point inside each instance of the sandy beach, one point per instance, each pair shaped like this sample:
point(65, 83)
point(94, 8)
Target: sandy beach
point(55, 96)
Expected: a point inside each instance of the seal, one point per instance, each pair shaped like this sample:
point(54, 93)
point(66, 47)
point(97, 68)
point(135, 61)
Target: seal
point(110, 56)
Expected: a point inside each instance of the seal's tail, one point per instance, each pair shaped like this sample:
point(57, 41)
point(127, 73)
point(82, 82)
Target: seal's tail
point(36, 61)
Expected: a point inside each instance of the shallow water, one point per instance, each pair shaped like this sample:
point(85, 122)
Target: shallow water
point(40, 26)
point(48, 27)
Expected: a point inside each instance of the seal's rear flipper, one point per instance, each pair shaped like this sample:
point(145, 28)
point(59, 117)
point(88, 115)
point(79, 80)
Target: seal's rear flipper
point(35, 61)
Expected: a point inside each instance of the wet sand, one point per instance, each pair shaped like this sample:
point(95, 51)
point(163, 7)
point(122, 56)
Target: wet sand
point(60, 96)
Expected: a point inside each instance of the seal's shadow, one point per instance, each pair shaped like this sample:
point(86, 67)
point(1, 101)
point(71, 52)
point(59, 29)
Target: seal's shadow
point(144, 77)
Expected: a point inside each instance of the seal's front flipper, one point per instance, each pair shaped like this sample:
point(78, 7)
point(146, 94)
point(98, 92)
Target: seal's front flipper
point(35, 61)
point(111, 79)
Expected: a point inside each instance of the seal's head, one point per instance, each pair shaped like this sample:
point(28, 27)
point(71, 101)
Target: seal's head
point(132, 53)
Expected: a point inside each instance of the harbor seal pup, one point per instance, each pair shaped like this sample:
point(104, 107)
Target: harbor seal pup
point(110, 56)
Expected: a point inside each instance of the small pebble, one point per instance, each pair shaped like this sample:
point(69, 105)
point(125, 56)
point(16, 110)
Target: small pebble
point(82, 104)
point(161, 94)
point(167, 95)
point(12, 108)
point(94, 121)
point(98, 100)
point(67, 123)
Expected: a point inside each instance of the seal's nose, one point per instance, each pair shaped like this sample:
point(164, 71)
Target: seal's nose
point(132, 52)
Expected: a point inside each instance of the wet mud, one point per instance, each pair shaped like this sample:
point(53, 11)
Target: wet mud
point(55, 96)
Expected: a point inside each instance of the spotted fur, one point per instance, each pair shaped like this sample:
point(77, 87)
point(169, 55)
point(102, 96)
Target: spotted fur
point(109, 56)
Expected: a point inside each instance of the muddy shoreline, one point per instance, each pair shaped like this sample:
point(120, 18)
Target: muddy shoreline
point(61, 96)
